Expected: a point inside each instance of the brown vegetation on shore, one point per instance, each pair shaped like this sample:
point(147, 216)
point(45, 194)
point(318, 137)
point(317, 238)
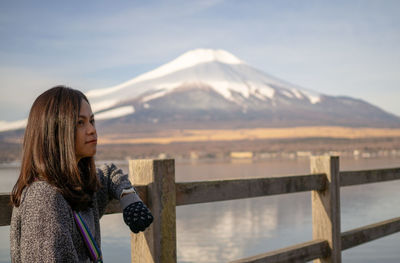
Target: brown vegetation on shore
point(207, 135)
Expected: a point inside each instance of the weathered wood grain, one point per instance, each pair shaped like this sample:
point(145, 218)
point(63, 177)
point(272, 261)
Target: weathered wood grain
point(211, 191)
point(368, 233)
point(5, 209)
point(349, 178)
point(158, 242)
point(298, 253)
point(326, 207)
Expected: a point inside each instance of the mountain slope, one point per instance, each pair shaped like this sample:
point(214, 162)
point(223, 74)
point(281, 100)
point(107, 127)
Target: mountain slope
point(199, 106)
point(214, 89)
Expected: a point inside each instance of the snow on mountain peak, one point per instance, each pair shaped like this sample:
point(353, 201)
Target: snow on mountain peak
point(186, 60)
point(190, 59)
point(198, 56)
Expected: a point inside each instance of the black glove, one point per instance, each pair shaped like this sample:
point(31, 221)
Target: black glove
point(137, 216)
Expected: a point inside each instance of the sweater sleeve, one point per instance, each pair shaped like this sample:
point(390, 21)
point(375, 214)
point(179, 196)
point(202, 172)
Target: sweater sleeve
point(113, 181)
point(46, 227)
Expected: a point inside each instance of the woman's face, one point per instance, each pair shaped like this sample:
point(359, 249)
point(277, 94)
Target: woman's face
point(86, 136)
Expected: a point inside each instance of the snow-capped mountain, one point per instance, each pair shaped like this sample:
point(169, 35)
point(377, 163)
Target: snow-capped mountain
point(206, 88)
point(214, 89)
point(220, 71)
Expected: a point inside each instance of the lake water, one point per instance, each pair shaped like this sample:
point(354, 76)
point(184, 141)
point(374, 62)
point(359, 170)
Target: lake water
point(229, 230)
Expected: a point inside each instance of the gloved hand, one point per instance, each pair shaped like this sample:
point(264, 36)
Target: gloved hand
point(137, 216)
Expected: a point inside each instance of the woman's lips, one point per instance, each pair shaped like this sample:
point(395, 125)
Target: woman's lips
point(92, 141)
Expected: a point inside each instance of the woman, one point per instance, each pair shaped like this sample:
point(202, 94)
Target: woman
point(59, 196)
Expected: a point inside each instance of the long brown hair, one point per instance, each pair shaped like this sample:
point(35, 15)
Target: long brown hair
point(49, 149)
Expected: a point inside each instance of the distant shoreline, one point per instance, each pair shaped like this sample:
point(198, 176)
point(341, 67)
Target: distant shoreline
point(226, 145)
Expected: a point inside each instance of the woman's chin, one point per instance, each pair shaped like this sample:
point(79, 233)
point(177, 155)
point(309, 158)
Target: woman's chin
point(86, 155)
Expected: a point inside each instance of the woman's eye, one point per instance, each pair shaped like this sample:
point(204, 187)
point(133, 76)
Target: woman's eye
point(92, 121)
point(81, 122)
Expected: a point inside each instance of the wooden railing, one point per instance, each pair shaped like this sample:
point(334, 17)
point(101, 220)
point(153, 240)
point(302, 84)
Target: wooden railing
point(155, 182)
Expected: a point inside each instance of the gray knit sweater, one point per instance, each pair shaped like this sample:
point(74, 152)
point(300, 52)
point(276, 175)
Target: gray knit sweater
point(43, 229)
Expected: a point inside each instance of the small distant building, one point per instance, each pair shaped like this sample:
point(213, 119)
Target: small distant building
point(194, 155)
point(303, 154)
point(162, 156)
point(335, 153)
point(241, 155)
point(267, 155)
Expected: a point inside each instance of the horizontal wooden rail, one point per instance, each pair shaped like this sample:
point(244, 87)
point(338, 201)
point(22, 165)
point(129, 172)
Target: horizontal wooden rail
point(223, 190)
point(368, 233)
point(298, 253)
point(211, 191)
point(5, 209)
point(348, 178)
point(113, 206)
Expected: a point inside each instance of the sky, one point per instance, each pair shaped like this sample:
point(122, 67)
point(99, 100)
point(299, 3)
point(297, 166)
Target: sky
point(349, 48)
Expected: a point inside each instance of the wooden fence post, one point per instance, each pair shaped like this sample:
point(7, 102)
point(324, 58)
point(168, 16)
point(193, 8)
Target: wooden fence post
point(158, 242)
point(326, 207)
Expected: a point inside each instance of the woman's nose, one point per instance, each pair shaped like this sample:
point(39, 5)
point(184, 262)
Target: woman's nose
point(91, 129)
